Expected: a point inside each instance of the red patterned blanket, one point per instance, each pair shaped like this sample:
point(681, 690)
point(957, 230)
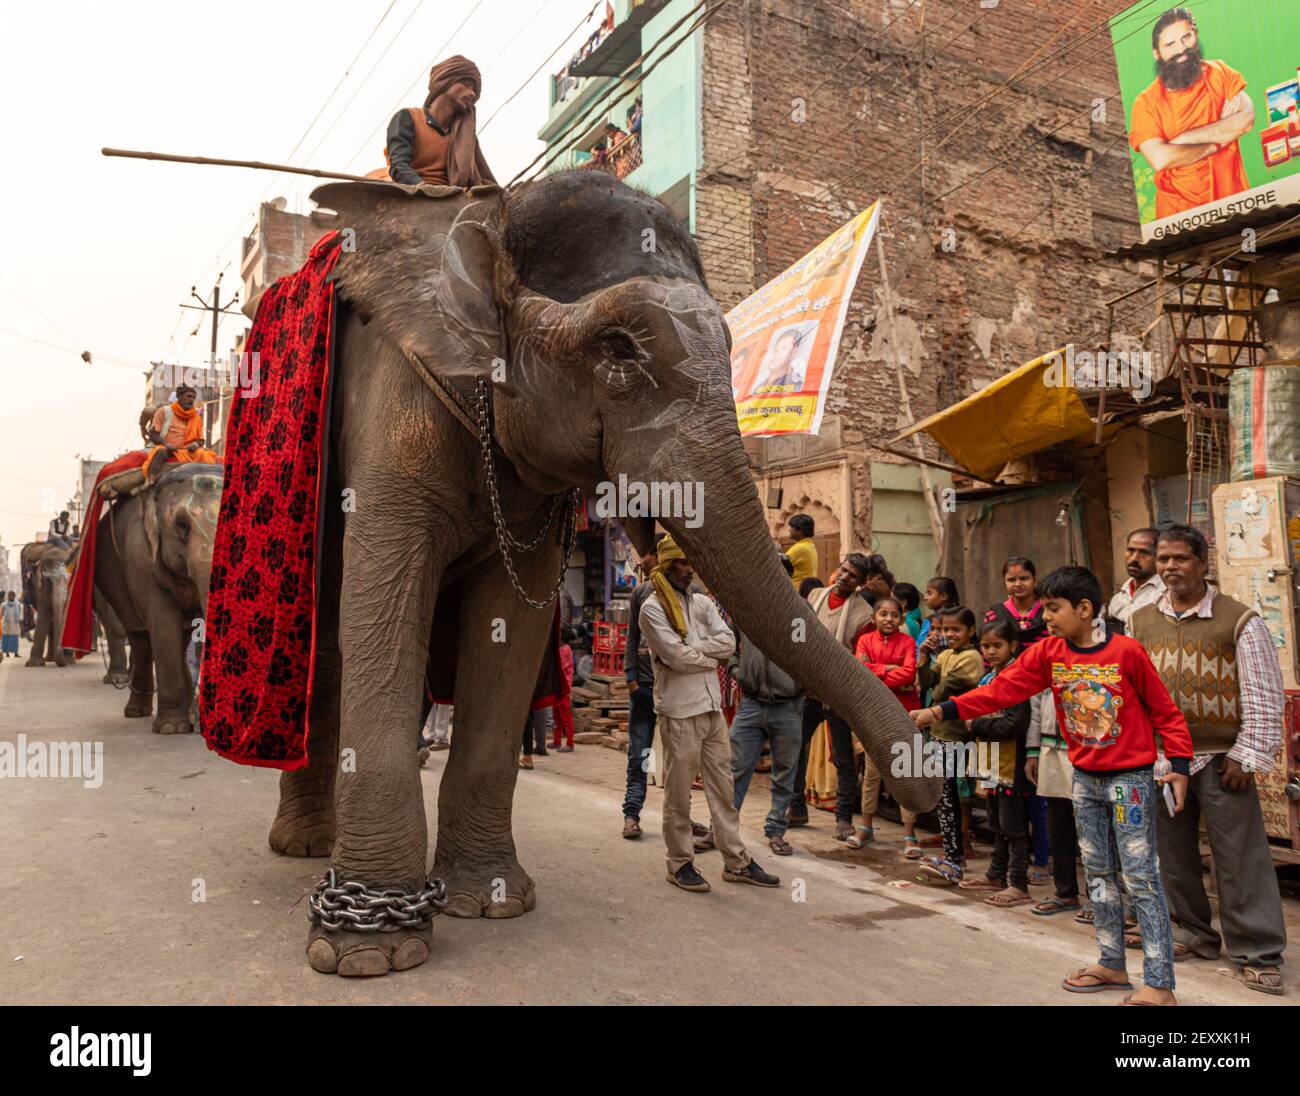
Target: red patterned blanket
point(257, 664)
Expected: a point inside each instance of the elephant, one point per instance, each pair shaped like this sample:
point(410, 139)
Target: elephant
point(118, 673)
point(496, 350)
point(45, 569)
point(153, 558)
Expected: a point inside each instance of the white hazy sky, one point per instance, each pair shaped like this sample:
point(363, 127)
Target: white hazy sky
point(96, 254)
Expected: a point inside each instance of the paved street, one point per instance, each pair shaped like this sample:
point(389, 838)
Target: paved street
point(96, 885)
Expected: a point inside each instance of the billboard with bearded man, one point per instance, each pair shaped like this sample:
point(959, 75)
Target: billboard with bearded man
point(1210, 95)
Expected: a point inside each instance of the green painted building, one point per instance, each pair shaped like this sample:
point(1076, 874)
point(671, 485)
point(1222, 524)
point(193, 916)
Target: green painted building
point(654, 144)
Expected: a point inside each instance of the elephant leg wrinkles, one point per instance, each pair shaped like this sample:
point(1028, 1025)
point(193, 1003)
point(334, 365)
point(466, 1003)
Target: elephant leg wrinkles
point(476, 854)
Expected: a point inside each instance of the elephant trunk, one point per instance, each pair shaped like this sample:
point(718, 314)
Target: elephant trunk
point(733, 551)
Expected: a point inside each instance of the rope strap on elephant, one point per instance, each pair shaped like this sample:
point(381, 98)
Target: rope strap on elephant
point(358, 908)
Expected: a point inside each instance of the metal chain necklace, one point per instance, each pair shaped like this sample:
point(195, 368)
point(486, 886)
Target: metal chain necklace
point(506, 541)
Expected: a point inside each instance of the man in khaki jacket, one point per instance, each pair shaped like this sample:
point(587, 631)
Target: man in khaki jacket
point(687, 640)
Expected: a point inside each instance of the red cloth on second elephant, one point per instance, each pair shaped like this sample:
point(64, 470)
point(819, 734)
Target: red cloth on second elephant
point(259, 661)
point(77, 626)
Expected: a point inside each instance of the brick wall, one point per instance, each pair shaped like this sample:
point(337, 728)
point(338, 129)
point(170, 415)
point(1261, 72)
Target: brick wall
point(1023, 273)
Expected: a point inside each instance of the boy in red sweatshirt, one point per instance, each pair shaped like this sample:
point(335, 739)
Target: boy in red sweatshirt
point(1111, 705)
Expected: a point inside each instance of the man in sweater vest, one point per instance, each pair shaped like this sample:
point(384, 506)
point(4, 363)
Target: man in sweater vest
point(846, 617)
point(1217, 659)
point(437, 143)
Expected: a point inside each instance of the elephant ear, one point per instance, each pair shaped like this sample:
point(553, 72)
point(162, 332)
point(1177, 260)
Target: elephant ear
point(430, 272)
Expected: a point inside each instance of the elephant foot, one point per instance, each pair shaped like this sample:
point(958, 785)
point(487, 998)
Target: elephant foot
point(367, 954)
point(117, 677)
point(138, 705)
point(172, 725)
point(303, 834)
point(36, 662)
point(488, 890)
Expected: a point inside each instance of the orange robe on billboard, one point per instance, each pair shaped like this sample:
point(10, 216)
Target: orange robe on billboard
point(1163, 114)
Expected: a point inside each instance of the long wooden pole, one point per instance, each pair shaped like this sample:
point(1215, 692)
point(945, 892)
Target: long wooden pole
point(257, 165)
point(932, 504)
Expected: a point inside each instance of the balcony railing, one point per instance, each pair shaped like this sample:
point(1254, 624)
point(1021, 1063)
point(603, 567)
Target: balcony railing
point(620, 160)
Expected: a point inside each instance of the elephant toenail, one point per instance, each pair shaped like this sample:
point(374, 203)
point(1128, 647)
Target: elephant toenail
point(364, 962)
point(411, 953)
point(322, 957)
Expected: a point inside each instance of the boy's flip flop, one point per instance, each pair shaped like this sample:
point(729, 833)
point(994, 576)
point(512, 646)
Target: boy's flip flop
point(1100, 984)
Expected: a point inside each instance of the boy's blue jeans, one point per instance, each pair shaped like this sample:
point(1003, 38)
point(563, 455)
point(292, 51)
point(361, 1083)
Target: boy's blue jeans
point(1116, 819)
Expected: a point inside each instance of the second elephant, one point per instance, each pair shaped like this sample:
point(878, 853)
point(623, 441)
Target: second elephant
point(152, 562)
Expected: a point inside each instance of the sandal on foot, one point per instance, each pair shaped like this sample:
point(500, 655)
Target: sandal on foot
point(944, 870)
point(862, 836)
point(911, 847)
point(1098, 984)
point(984, 883)
point(1006, 900)
point(1255, 978)
point(1054, 905)
point(1085, 916)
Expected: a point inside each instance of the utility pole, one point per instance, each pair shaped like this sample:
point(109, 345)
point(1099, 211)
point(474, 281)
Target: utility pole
point(217, 312)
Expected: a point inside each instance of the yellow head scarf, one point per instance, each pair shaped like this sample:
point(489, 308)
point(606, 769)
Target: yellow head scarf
point(667, 552)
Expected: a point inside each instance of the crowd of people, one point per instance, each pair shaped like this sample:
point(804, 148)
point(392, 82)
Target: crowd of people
point(1088, 731)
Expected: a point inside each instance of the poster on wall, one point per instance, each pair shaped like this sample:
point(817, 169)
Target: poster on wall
point(786, 334)
point(1211, 95)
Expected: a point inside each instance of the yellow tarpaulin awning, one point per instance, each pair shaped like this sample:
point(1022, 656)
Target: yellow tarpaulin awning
point(1013, 417)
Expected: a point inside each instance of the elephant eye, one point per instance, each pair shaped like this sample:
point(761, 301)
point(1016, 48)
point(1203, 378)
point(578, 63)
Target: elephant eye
point(183, 525)
point(621, 347)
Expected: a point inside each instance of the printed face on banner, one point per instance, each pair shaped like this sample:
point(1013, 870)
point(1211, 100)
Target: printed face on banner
point(785, 335)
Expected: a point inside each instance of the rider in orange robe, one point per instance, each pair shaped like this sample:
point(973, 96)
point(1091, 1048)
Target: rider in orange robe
point(177, 434)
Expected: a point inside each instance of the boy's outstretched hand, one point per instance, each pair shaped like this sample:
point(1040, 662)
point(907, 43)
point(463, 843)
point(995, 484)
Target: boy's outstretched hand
point(1178, 782)
point(925, 717)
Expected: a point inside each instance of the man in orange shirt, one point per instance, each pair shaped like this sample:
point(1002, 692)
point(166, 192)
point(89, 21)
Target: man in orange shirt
point(1188, 121)
point(177, 434)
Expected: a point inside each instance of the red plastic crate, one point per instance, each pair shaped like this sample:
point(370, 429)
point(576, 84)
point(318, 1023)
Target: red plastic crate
point(610, 637)
point(607, 662)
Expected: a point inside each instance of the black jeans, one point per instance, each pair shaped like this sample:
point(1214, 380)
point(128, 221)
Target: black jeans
point(846, 772)
point(534, 735)
point(1064, 841)
point(1009, 820)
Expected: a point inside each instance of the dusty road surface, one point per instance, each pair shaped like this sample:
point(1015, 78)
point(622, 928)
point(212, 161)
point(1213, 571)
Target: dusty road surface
point(97, 891)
